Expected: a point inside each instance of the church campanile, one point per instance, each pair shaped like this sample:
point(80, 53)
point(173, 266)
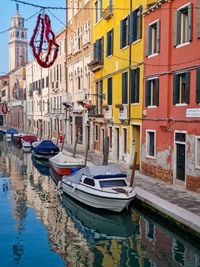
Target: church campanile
point(18, 45)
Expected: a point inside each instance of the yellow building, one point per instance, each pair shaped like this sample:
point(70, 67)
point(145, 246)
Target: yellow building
point(118, 69)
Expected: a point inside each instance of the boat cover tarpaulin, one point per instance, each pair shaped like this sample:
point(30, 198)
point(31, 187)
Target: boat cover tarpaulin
point(12, 131)
point(29, 138)
point(46, 147)
point(94, 171)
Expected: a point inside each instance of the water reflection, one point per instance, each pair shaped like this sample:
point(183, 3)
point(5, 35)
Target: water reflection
point(38, 230)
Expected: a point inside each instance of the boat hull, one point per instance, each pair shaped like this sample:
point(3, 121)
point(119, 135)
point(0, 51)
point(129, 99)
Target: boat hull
point(42, 156)
point(64, 170)
point(108, 201)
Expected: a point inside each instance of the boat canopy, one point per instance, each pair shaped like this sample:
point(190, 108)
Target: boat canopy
point(12, 131)
point(96, 172)
point(29, 138)
point(46, 146)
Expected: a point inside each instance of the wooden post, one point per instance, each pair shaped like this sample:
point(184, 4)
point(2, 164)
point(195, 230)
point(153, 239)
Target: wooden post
point(133, 170)
point(86, 145)
point(105, 150)
point(58, 132)
point(75, 145)
point(62, 146)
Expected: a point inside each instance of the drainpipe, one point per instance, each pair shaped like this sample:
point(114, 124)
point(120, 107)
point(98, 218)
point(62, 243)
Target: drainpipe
point(130, 56)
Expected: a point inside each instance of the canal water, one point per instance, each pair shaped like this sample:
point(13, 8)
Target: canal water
point(37, 228)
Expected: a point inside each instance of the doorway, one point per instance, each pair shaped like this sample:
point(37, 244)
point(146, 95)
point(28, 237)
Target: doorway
point(180, 158)
point(135, 144)
point(116, 144)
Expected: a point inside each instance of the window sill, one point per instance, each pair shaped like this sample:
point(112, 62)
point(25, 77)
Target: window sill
point(136, 41)
point(182, 45)
point(125, 47)
point(135, 104)
point(109, 56)
point(150, 157)
point(153, 55)
point(181, 105)
point(98, 21)
point(152, 106)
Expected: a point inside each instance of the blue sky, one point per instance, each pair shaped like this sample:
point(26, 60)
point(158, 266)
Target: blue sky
point(8, 9)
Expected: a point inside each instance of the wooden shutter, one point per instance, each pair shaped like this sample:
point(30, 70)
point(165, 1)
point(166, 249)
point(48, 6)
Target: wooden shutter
point(148, 93)
point(176, 88)
point(140, 31)
point(198, 18)
point(177, 26)
point(189, 30)
point(133, 76)
point(124, 88)
point(147, 41)
point(108, 44)
point(198, 86)
point(112, 41)
point(157, 92)
point(158, 37)
point(110, 91)
point(101, 50)
point(133, 26)
point(121, 34)
point(137, 85)
point(187, 89)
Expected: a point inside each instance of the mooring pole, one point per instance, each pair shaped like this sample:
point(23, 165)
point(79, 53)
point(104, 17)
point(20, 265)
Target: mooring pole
point(133, 170)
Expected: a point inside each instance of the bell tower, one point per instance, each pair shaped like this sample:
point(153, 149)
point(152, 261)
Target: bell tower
point(18, 45)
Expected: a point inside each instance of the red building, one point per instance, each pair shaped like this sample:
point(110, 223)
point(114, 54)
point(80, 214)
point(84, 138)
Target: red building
point(171, 112)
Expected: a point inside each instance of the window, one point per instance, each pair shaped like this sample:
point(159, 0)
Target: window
point(47, 81)
point(124, 141)
point(153, 38)
point(109, 48)
point(124, 33)
point(136, 25)
point(112, 183)
point(150, 143)
point(152, 92)
point(135, 85)
point(178, 250)
point(197, 154)
point(89, 181)
point(96, 133)
point(150, 230)
point(100, 8)
point(42, 83)
point(125, 88)
point(181, 88)
point(99, 50)
point(110, 91)
point(198, 86)
point(183, 25)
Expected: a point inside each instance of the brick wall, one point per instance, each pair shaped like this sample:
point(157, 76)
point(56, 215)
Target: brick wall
point(157, 172)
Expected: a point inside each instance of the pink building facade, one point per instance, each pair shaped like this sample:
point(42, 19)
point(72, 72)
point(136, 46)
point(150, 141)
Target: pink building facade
point(171, 108)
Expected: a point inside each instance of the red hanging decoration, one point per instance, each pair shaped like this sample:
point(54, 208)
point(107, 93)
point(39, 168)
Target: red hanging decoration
point(4, 108)
point(47, 38)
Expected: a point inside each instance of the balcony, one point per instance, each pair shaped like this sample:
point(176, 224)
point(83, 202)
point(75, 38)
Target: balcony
point(123, 113)
point(95, 65)
point(108, 12)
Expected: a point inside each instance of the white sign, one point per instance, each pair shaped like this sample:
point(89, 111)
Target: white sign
point(193, 112)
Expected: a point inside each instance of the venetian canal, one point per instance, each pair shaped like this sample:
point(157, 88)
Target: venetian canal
point(38, 229)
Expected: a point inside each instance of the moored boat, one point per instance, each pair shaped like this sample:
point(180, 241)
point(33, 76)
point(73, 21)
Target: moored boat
point(102, 187)
point(64, 164)
point(11, 132)
point(45, 150)
point(27, 140)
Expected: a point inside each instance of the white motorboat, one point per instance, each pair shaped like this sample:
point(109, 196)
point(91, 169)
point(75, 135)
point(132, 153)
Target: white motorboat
point(27, 140)
point(102, 187)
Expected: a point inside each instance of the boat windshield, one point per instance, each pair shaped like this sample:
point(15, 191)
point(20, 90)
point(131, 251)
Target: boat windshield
point(112, 183)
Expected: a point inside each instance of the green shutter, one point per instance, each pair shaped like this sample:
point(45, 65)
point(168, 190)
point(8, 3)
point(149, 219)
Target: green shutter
point(133, 26)
point(157, 92)
point(112, 41)
point(187, 89)
point(124, 88)
point(147, 41)
point(148, 93)
point(158, 37)
point(176, 88)
point(137, 85)
point(198, 18)
point(177, 27)
point(198, 86)
point(108, 44)
point(121, 34)
point(132, 86)
point(140, 29)
point(102, 50)
point(189, 30)
point(110, 91)
point(98, 49)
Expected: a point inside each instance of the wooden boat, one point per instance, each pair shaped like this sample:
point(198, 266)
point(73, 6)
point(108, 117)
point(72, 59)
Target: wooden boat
point(45, 150)
point(55, 176)
point(64, 164)
point(102, 187)
point(27, 140)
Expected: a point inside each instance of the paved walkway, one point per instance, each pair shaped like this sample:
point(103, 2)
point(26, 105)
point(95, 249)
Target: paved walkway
point(174, 201)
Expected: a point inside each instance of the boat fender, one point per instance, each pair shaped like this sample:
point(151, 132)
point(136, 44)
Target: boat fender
point(59, 185)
